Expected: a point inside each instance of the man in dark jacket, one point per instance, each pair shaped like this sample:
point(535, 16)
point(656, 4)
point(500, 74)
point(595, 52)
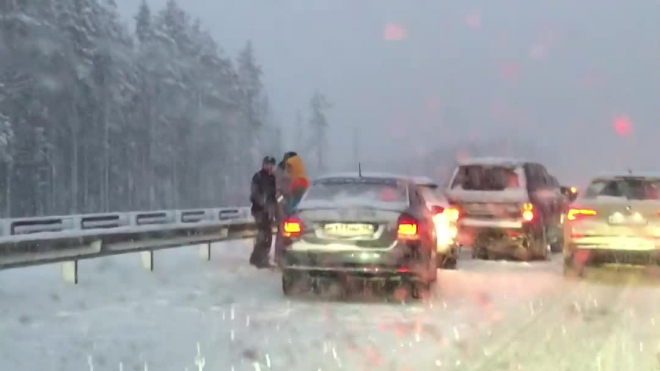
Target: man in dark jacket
point(264, 207)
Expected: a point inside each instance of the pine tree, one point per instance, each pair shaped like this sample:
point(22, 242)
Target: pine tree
point(143, 30)
point(94, 119)
point(6, 159)
point(249, 78)
point(319, 123)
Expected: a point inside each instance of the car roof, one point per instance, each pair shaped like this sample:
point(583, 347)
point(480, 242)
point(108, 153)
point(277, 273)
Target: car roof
point(425, 181)
point(634, 175)
point(371, 175)
point(493, 161)
point(418, 180)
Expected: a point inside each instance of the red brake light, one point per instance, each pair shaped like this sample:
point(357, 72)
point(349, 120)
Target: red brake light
point(292, 227)
point(577, 213)
point(408, 228)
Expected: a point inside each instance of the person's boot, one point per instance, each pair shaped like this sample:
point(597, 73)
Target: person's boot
point(254, 261)
point(263, 264)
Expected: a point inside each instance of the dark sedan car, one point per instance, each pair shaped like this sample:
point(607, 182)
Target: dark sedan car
point(365, 227)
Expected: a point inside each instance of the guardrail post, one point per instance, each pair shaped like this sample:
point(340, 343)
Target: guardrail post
point(148, 260)
point(205, 251)
point(69, 272)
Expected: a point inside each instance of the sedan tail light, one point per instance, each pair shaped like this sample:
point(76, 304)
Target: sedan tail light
point(292, 227)
point(575, 213)
point(408, 228)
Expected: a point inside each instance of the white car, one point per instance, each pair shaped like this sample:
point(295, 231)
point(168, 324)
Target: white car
point(445, 218)
point(616, 220)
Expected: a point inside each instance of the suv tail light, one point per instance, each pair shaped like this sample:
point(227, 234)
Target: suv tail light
point(452, 214)
point(292, 227)
point(528, 212)
point(408, 228)
point(575, 213)
point(449, 213)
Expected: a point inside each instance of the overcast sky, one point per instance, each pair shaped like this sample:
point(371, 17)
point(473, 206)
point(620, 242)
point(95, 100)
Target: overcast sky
point(559, 74)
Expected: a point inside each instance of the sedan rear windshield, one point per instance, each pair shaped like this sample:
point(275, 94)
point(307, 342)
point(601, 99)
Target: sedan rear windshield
point(357, 191)
point(628, 188)
point(486, 178)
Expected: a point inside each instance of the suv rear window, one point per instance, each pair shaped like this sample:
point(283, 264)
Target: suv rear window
point(628, 188)
point(338, 191)
point(486, 178)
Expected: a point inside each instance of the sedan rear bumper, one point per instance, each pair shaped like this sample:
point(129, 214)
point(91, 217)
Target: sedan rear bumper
point(375, 271)
point(615, 243)
point(367, 263)
point(610, 256)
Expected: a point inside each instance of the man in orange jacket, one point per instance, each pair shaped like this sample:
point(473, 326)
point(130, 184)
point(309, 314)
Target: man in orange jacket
point(283, 187)
point(299, 182)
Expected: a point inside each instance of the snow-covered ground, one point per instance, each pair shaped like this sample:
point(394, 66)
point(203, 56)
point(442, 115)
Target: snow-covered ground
point(222, 315)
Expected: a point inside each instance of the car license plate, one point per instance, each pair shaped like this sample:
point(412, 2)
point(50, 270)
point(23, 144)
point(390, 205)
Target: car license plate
point(349, 230)
point(633, 244)
point(618, 219)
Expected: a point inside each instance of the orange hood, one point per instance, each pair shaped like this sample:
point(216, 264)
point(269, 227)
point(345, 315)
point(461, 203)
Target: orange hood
point(295, 167)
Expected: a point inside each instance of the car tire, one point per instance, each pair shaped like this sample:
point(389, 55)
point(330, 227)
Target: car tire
point(446, 262)
point(291, 282)
point(433, 267)
point(480, 252)
point(420, 290)
point(557, 245)
point(541, 246)
point(572, 271)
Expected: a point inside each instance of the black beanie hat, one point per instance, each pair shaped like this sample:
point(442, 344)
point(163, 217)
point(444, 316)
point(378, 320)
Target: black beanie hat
point(288, 155)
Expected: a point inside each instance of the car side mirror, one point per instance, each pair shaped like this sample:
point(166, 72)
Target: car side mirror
point(570, 192)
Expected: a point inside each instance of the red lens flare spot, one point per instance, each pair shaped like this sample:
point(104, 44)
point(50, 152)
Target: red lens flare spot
point(622, 125)
point(434, 104)
point(394, 32)
point(538, 51)
point(473, 20)
point(592, 79)
point(510, 71)
point(387, 195)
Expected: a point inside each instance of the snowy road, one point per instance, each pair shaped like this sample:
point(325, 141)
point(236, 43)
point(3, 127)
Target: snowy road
point(485, 316)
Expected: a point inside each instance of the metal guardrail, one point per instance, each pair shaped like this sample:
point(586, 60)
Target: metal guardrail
point(68, 239)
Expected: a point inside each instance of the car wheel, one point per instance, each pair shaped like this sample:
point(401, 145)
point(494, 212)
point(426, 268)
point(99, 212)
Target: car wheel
point(541, 246)
point(446, 262)
point(420, 290)
point(556, 247)
point(433, 268)
point(557, 244)
point(570, 268)
point(292, 282)
point(479, 252)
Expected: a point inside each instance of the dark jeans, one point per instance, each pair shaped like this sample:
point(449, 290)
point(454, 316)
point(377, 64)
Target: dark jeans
point(264, 240)
point(279, 238)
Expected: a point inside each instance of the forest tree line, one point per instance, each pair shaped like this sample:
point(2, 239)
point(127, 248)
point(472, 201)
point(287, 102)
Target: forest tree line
point(97, 116)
